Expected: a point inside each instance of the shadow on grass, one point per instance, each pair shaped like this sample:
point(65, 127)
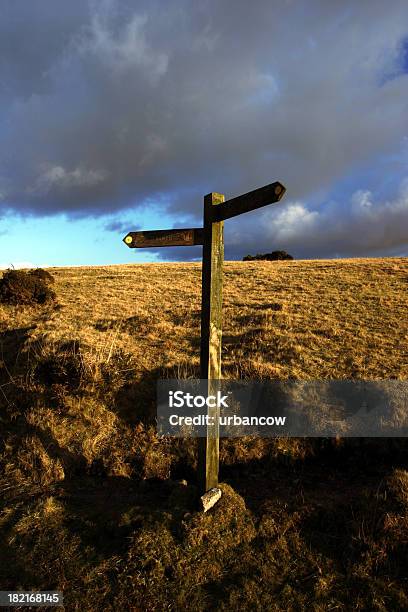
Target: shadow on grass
point(11, 343)
point(136, 401)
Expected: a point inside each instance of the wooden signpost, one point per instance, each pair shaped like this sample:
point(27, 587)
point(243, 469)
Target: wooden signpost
point(211, 236)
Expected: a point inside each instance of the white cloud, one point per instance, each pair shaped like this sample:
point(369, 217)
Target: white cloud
point(290, 221)
point(59, 177)
point(361, 200)
point(122, 50)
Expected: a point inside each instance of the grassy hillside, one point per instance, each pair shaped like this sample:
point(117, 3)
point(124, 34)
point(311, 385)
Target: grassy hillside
point(94, 504)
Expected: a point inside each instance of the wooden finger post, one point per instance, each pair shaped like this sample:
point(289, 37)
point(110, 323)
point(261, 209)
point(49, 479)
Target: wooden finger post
point(211, 236)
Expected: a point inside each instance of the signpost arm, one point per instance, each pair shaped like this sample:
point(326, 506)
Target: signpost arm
point(211, 331)
point(269, 194)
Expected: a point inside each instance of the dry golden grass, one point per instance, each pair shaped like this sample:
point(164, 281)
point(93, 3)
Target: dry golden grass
point(90, 500)
point(309, 319)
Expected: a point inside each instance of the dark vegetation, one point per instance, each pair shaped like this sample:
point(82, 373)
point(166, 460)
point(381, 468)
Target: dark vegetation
point(274, 256)
point(21, 287)
point(44, 275)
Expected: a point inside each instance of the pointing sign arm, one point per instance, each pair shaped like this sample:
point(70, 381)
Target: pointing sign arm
point(249, 201)
point(163, 238)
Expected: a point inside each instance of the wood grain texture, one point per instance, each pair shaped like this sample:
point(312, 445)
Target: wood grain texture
point(164, 238)
point(269, 194)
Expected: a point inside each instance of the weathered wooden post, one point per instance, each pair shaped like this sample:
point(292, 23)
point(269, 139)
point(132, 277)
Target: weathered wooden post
point(211, 333)
point(211, 236)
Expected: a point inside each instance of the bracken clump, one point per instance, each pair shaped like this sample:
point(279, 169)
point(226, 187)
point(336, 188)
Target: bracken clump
point(21, 287)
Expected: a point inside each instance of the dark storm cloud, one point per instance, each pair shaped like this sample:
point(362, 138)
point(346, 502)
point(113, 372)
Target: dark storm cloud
point(107, 104)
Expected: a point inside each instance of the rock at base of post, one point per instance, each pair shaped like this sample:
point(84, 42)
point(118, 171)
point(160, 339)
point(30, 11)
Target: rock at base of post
point(210, 498)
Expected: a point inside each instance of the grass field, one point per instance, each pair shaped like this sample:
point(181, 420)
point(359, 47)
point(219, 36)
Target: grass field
point(93, 503)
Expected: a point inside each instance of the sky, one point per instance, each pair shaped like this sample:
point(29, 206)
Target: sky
point(118, 115)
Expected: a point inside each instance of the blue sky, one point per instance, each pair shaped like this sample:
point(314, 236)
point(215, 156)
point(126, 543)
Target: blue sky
point(116, 116)
point(60, 241)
